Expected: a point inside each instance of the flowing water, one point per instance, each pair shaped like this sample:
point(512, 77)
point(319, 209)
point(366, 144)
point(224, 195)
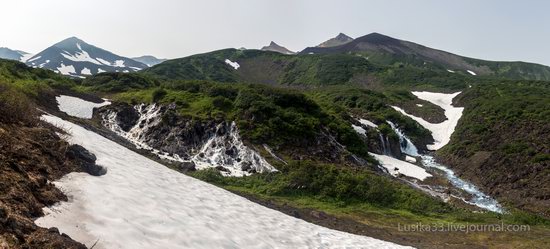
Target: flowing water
point(478, 199)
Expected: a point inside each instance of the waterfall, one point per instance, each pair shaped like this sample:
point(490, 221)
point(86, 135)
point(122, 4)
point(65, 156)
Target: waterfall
point(405, 143)
point(384, 145)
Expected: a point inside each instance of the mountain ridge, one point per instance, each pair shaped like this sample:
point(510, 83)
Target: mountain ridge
point(338, 40)
point(274, 47)
point(76, 58)
point(388, 50)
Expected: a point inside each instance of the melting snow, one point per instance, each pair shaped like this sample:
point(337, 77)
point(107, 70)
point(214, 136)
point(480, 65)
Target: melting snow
point(81, 56)
point(119, 63)
point(419, 105)
point(441, 132)
point(66, 70)
point(235, 65)
point(359, 129)
point(99, 70)
point(410, 159)
point(368, 123)
point(77, 107)
point(472, 72)
point(450, 71)
point(104, 61)
point(35, 58)
point(142, 204)
point(86, 71)
point(396, 167)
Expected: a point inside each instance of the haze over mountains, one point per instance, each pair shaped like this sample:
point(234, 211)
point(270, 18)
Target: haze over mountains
point(149, 60)
point(17, 55)
point(74, 57)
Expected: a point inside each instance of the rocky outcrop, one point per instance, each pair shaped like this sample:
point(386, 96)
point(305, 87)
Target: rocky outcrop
point(31, 157)
point(195, 144)
point(85, 159)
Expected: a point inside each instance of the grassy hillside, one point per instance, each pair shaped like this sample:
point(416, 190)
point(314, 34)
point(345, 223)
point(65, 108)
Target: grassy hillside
point(264, 67)
point(503, 142)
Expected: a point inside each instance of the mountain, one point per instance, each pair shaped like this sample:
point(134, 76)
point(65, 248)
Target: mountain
point(6, 53)
point(149, 60)
point(387, 50)
point(340, 39)
point(274, 47)
point(77, 58)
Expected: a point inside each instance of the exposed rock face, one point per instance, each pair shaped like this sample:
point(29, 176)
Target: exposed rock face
point(30, 158)
point(195, 144)
point(86, 160)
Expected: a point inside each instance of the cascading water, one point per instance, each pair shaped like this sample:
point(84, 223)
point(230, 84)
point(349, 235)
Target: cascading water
point(385, 148)
point(224, 150)
point(406, 144)
point(478, 199)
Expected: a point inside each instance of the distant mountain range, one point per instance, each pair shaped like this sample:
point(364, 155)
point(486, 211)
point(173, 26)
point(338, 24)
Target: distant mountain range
point(274, 47)
point(383, 49)
point(149, 60)
point(17, 55)
point(77, 58)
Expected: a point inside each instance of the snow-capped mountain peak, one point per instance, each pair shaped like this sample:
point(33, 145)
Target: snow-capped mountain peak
point(75, 57)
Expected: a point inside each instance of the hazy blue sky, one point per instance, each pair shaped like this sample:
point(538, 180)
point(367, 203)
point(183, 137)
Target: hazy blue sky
point(488, 29)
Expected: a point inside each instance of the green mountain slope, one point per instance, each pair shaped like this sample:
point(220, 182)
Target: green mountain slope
point(387, 50)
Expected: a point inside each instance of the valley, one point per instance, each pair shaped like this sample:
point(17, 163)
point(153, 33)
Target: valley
point(337, 145)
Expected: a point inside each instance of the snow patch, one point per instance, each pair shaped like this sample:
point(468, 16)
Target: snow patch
point(119, 63)
point(81, 56)
point(35, 58)
point(410, 159)
point(235, 65)
point(471, 72)
point(441, 132)
point(368, 123)
point(99, 70)
point(450, 71)
point(105, 62)
point(142, 204)
point(396, 167)
point(78, 107)
point(86, 71)
point(419, 105)
point(66, 70)
point(359, 130)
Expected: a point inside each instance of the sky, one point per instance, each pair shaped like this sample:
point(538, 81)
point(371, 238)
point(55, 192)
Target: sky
point(486, 29)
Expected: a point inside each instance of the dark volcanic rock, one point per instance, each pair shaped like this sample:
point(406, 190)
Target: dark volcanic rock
point(40, 156)
point(87, 160)
point(127, 116)
point(186, 167)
